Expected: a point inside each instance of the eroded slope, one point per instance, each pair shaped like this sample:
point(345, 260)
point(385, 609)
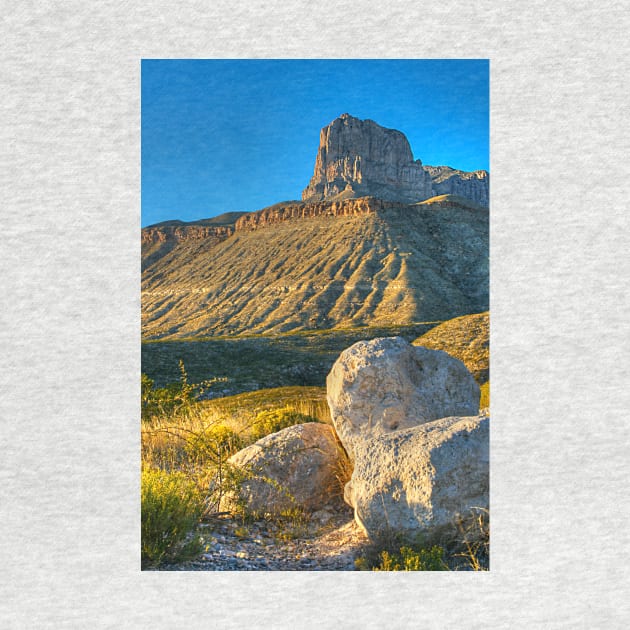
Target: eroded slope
point(397, 266)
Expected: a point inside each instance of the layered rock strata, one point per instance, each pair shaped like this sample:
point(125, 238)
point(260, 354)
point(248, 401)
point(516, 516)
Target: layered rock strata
point(162, 234)
point(473, 185)
point(159, 240)
point(300, 210)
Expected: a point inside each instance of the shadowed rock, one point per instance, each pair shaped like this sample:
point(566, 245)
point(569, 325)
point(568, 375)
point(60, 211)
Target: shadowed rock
point(422, 480)
point(295, 467)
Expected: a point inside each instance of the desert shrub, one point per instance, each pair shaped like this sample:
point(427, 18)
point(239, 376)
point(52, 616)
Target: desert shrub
point(214, 443)
point(473, 546)
point(484, 401)
point(291, 523)
point(174, 397)
point(171, 506)
point(390, 550)
point(409, 559)
point(226, 479)
point(274, 420)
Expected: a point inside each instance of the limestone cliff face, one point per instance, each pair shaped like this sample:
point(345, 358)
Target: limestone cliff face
point(450, 181)
point(358, 158)
point(301, 210)
point(162, 234)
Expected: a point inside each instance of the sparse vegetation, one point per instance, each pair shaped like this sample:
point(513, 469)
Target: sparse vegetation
point(245, 364)
point(391, 551)
point(469, 550)
point(186, 443)
point(409, 559)
point(467, 338)
point(274, 420)
point(189, 431)
point(171, 505)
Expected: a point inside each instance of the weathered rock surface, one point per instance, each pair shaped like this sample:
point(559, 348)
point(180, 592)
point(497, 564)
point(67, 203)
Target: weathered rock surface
point(422, 479)
point(384, 385)
point(295, 467)
point(288, 210)
point(451, 181)
point(359, 157)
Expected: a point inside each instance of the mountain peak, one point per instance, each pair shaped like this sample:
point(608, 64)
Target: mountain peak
point(359, 158)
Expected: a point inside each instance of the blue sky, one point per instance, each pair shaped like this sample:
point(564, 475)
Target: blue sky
point(226, 135)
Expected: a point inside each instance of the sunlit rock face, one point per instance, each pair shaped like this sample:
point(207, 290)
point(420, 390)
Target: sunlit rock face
point(359, 158)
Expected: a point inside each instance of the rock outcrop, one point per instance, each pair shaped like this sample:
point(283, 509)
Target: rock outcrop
point(386, 385)
point(422, 480)
point(158, 240)
point(357, 158)
point(281, 212)
point(473, 185)
point(295, 467)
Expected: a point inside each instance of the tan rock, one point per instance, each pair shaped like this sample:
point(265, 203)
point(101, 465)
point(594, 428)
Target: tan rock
point(422, 480)
point(386, 384)
point(295, 467)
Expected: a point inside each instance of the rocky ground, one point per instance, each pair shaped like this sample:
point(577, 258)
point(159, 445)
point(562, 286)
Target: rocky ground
point(329, 541)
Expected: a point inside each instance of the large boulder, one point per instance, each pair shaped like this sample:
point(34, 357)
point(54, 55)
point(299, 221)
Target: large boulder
point(295, 467)
point(384, 385)
point(422, 480)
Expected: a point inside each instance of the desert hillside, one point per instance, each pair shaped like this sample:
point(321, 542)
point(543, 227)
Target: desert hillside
point(403, 264)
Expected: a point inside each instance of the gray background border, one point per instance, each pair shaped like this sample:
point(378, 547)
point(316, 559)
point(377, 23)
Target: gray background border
point(70, 319)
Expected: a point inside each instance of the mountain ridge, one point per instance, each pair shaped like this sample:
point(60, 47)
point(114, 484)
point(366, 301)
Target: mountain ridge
point(398, 264)
point(336, 258)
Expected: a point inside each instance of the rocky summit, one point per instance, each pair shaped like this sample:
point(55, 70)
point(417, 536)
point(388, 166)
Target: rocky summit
point(358, 158)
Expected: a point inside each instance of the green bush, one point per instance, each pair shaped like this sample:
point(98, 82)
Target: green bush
point(274, 420)
point(163, 400)
point(407, 559)
point(171, 506)
point(413, 560)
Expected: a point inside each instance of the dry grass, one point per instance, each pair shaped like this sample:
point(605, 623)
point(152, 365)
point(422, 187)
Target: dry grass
point(198, 439)
point(466, 338)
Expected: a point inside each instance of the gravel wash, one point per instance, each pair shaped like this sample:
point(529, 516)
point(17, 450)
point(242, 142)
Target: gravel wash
point(330, 541)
